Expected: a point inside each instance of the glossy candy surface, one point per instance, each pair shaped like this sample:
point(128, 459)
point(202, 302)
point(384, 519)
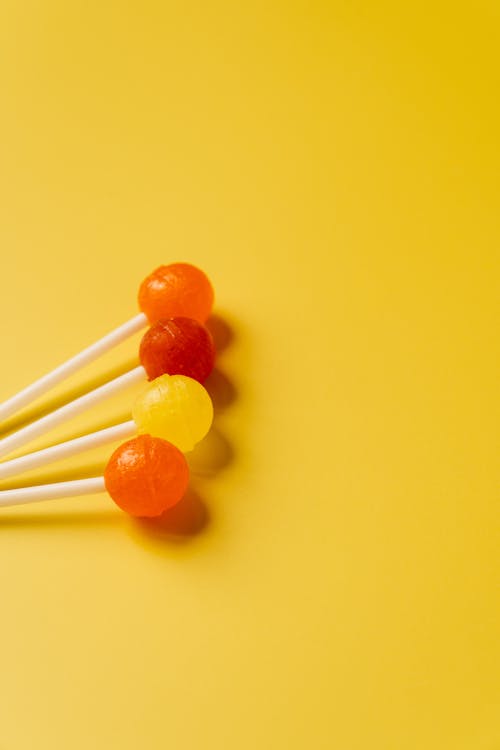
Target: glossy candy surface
point(146, 475)
point(176, 408)
point(178, 289)
point(178, 346)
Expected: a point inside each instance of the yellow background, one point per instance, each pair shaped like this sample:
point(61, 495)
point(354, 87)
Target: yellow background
point(334, 167)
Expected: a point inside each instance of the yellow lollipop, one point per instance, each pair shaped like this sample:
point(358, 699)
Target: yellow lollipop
point(175, 408)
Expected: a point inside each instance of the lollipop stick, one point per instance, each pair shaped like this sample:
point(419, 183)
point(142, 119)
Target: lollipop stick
point(65, 450)
point(51, 491)
point(79, 405)
point(45, 383)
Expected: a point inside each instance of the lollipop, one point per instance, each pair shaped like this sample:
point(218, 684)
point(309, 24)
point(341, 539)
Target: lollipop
point(173, 407)
point(177, 346)
point(176, 290)
point(179, 289)
point(144, 476)
point(173, 346)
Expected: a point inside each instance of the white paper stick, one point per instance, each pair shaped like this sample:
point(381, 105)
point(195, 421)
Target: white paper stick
point(79, 405)
point(65, 450)
point(45, 383)
point(51, 491)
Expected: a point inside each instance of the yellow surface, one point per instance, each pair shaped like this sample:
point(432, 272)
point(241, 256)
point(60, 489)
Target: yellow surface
point(334, 167)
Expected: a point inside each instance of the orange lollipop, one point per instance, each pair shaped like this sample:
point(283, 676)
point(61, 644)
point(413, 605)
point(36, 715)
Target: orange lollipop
point(176, 290)
point(146, 475)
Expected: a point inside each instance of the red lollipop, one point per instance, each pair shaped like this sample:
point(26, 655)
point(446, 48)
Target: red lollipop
point(178, 346)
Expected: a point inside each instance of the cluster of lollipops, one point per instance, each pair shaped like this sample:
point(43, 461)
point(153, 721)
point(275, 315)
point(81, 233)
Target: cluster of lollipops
point(148, 473)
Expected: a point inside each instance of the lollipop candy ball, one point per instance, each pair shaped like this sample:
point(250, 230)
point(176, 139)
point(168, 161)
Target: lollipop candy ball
point(179, 289)
point(178, 346)
point(176, 408)
point(146, 476)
